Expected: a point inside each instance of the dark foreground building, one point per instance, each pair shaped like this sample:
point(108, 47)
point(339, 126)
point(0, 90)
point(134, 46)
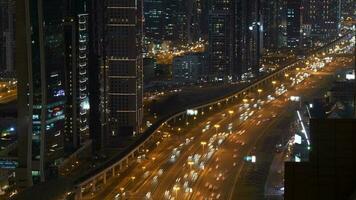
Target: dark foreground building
point(330, 173)
point(52, 69)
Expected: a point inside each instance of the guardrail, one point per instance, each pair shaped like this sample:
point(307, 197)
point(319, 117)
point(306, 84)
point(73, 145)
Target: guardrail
point(113, 166)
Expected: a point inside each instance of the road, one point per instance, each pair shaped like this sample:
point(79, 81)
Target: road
point(207, 160)
point(9, 96)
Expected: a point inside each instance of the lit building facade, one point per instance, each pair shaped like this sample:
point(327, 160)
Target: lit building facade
point(219, 44)
point(176, 21)
point(188, 68)
point(294, 21)
point(274, 24)
point(235, 39)
point(324, 17)
point(154, 20)
point(348, 10)
point(40, 70)
point(77, 78)
point(122, 70)
point(7, 35)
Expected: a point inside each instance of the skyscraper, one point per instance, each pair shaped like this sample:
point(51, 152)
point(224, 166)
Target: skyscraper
point(348, 9)
point(235, 39)
point(219, 41)
point(76, 33)
point(274, 23)
point(293, 23)
point(7, 37)
point(41, 74)
point(324, 17)
point(154, 13)
point(175, 20)
point(122, 70)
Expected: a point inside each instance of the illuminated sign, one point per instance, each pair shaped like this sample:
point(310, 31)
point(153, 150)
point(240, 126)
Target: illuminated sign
point(297, 139)
point(350, 76)
point(295, 98)
point(192, 112)
point(59, 93)
point(8, 164)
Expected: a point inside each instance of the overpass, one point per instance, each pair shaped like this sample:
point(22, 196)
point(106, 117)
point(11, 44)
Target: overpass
point(98, 178)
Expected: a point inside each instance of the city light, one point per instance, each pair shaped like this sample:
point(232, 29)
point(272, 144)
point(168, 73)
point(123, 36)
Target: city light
point(174, 100)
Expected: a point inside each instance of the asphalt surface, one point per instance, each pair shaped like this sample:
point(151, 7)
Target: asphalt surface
point(225, 175)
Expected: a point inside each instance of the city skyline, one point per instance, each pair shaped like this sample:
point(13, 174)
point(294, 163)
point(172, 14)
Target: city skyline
point(160, 99)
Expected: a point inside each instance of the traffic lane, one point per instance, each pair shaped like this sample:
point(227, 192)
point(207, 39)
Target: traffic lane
point(164, 151)
point(227, 158)
point(169, 172)
point(305, 84)
point(308, 94)
point(177, 170)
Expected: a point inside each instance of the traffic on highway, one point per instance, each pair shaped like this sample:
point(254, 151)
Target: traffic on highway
point(202, 155)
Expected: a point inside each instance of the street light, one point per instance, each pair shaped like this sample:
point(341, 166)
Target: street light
point(231, 112)
point(245, 100)
point(274, 83)
point(216, 126)
point(203, 143)
point(190, 163)
point(259, 92)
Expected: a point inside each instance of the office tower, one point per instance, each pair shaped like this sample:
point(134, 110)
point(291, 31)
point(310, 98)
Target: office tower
point(293, 23)
point(197, 19)
point(7, 37)
point(235, 39)
point(348, 10)
point(76, 33)
point(219, 41)
point(96, 28)
point(40, 69)
point(154, 20)
point(122, 70)
point(274, 23)
point(324, 17)
point(254, 39)
point(175, 21)
point(188, 68)
point(203, 7)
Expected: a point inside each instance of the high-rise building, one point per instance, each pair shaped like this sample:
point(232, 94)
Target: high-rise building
point(76, 28)
point(202, 10)
point(7, 35)
point(274, 23)
point(188, 68)
point(40, 61)
point(96, 54)
point(122, 70)
point(219, 43)
point(175, 20)
point(324, 18)
point(235, 39)
point(294, 21)
point(348, 9)
point(154, 20)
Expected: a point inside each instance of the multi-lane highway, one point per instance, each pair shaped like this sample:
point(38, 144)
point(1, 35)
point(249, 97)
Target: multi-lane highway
point(8, 92)
point(207, 160)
